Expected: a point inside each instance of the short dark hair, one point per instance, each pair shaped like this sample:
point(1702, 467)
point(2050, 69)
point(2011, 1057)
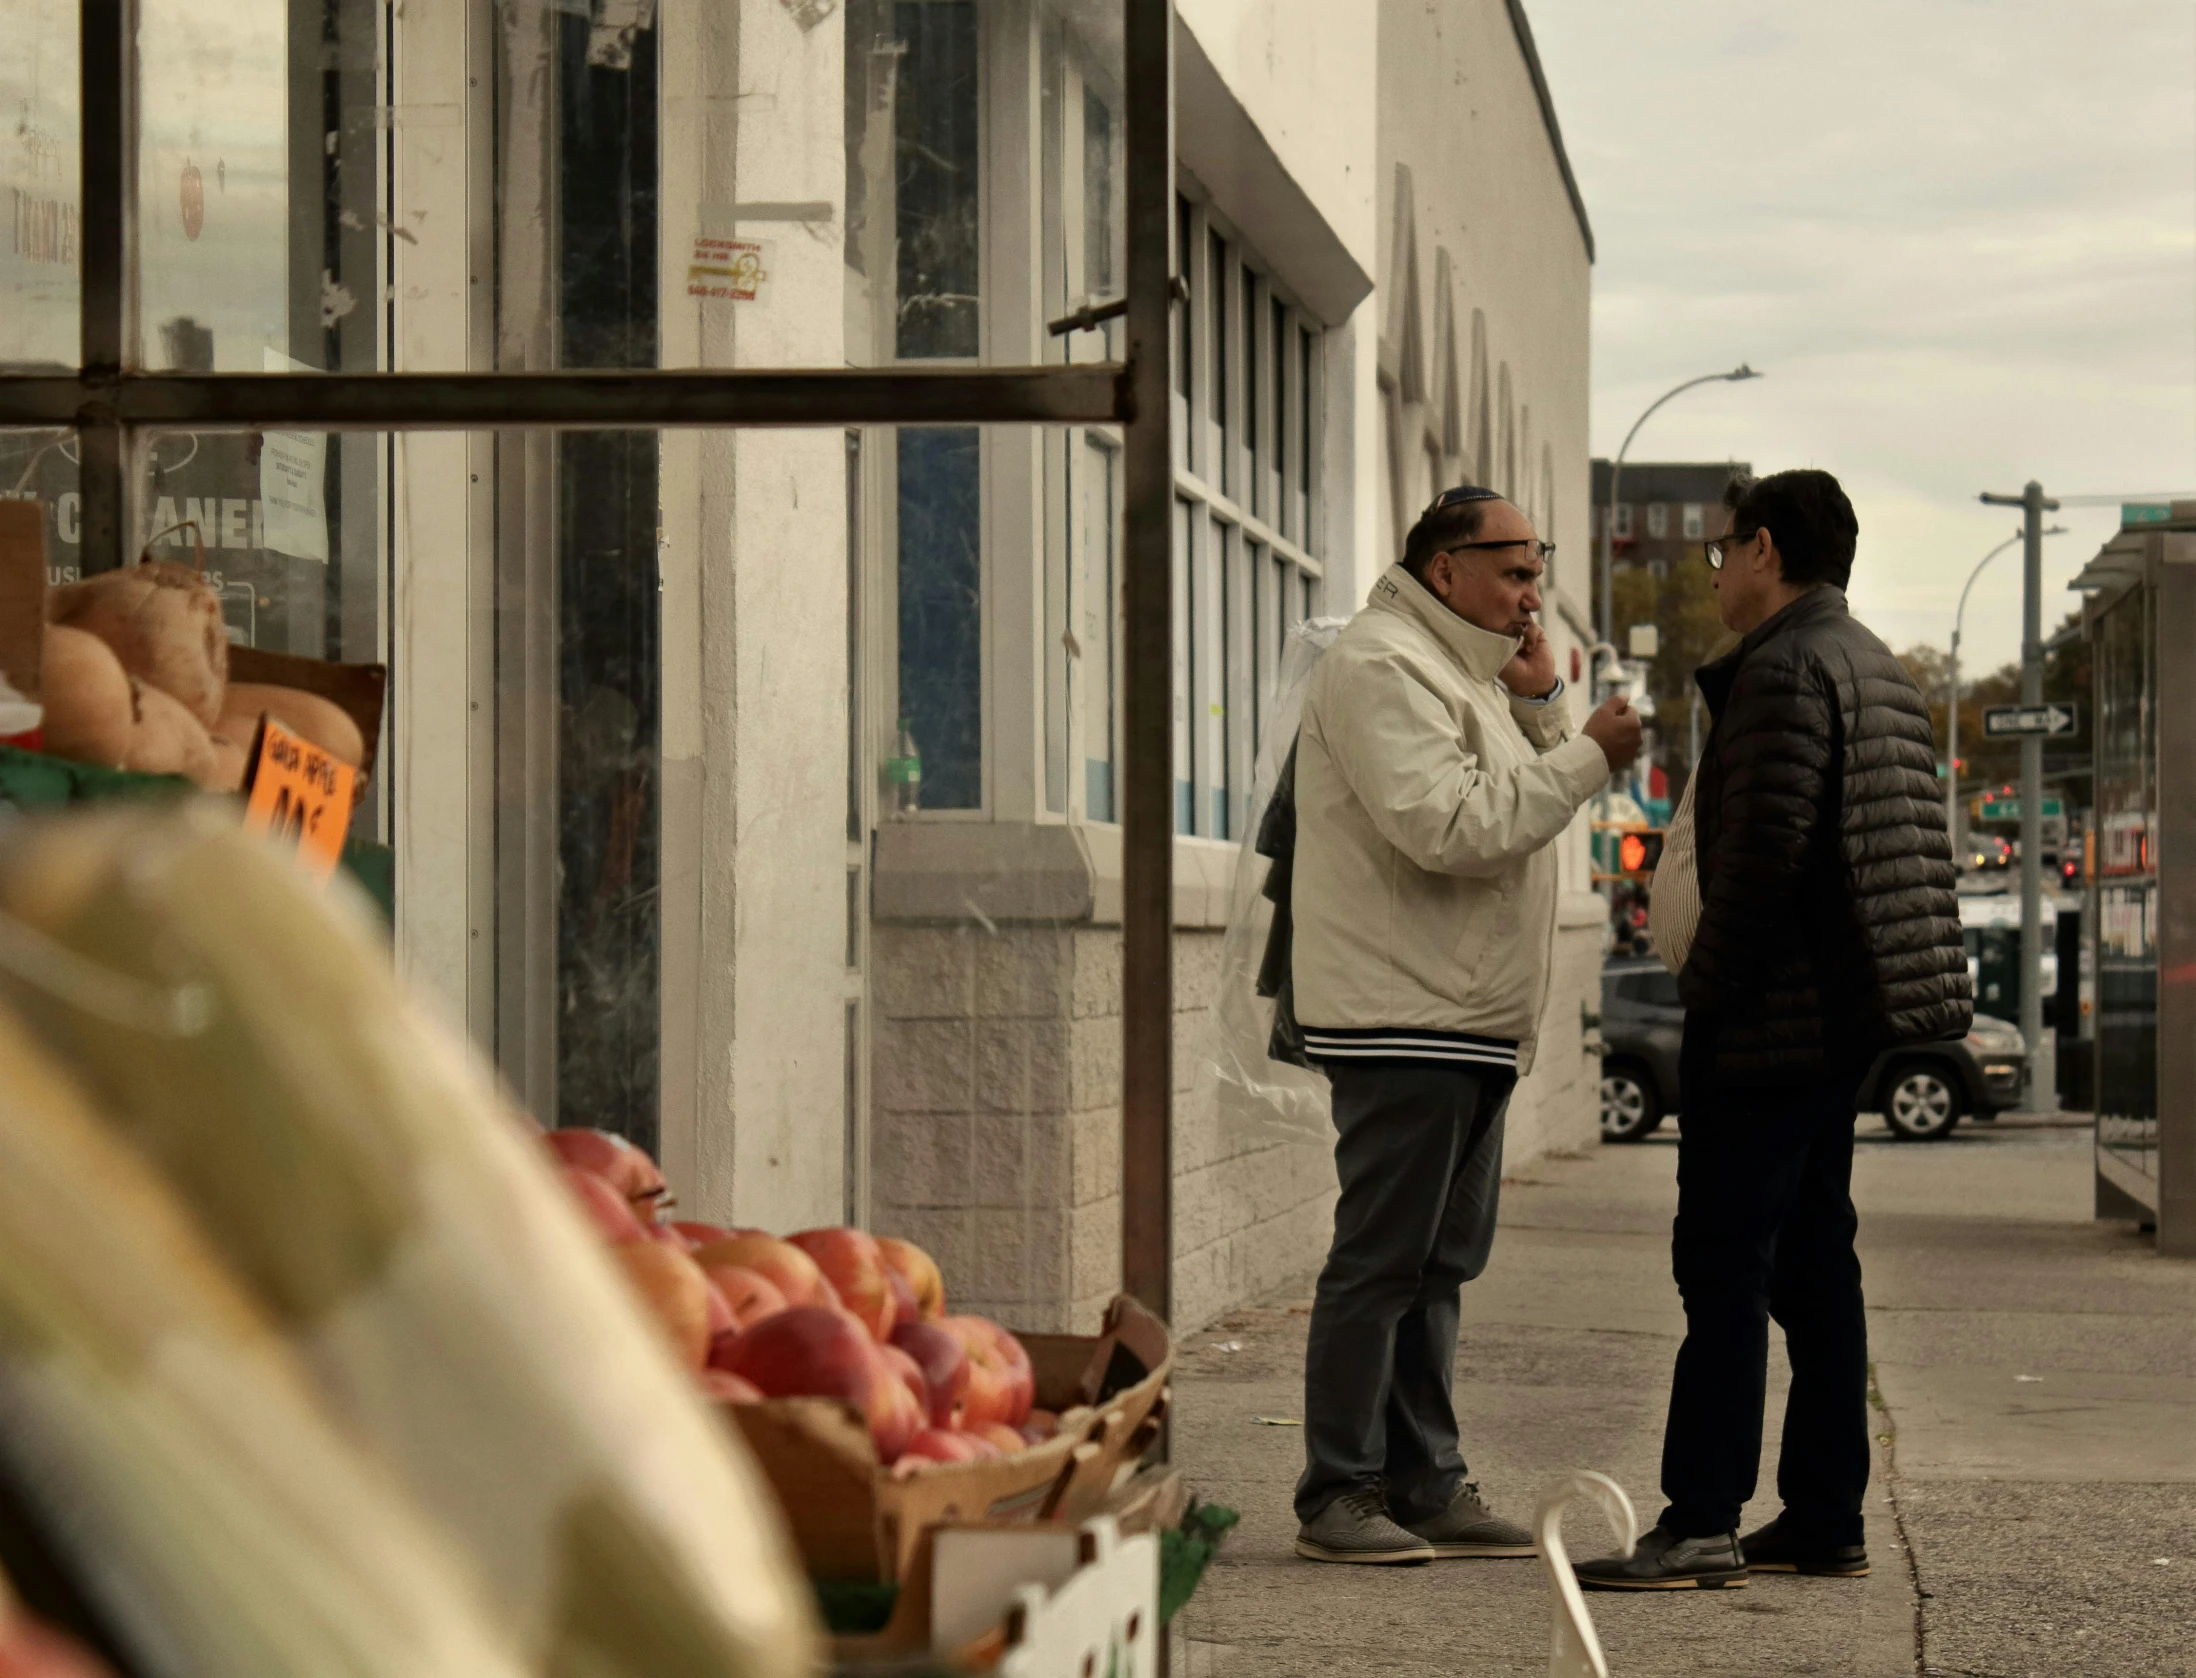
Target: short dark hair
point(1807, 514)
point(1455, 516)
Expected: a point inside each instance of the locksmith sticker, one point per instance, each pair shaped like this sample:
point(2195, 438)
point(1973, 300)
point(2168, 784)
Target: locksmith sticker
point(729, 270)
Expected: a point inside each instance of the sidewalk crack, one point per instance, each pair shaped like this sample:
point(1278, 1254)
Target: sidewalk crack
point(1889, 1440)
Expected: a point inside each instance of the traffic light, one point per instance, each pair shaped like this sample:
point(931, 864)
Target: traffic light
point(1626, 853)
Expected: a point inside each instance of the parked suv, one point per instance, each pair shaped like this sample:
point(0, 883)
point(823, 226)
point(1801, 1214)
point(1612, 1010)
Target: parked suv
point(1921, 1089)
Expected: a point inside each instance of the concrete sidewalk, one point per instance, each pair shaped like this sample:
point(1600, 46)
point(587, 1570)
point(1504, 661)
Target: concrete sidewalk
point(2037, 1443)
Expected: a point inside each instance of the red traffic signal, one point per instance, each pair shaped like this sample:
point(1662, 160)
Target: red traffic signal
point(1632, 853)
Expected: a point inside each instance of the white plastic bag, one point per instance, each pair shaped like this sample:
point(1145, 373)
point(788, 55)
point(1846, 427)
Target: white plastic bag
point(1235, 1066)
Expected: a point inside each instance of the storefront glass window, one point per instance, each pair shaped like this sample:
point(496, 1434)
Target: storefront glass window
point(941, 610)
point(41, 246)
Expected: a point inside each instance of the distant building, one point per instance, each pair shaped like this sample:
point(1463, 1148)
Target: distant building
point(1669, 508)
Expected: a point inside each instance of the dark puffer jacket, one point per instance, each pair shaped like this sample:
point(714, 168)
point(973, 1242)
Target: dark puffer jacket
point(1827, 919)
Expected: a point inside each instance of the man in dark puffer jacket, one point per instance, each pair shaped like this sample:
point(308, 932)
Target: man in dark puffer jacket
point(1828, 932)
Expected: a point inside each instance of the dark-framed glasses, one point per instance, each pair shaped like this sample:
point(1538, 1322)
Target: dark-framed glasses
point(1718, 546)
point(1542, 551)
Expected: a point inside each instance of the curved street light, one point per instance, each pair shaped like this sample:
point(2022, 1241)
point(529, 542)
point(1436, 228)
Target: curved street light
point(1952, 704)
point(1616, 471)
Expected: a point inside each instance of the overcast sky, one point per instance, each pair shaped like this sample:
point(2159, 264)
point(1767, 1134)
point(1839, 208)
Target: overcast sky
point(1959, 236)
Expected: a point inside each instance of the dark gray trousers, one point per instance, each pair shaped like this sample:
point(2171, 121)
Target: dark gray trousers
point(1419, 1152)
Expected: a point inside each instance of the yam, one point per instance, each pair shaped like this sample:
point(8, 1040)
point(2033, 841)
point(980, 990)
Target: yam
point(164, 623)
point(168, 739)
point(90, 714)
point(319, 721)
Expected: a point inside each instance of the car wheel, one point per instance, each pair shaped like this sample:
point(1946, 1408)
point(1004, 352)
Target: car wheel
point(1920, 1102)
point(1630, 1107)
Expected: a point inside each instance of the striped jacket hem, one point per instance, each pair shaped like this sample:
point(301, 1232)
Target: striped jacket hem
point(1410, 1043)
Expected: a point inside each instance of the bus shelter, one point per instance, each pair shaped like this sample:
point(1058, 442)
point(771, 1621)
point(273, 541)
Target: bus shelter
point(2140, 611)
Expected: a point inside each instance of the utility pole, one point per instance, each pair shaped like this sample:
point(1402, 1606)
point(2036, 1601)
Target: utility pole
point(2033, 506)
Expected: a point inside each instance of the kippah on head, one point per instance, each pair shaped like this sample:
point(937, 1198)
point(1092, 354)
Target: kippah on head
point(1455, 516)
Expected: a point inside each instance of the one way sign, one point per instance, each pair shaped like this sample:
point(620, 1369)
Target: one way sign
point(2011, 721)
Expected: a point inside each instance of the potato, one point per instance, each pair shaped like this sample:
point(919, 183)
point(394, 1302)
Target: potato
point(90, 716)
point(306, 715)
point(163, 622)
point(232, 759)
point(168, 739)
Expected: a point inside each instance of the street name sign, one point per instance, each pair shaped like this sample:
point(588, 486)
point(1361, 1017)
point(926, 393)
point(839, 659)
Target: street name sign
point(2009, 809)
point(2002, 722)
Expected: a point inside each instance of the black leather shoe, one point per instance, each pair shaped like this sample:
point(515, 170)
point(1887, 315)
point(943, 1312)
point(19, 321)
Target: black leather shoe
point(1767, 1550)
point(1665, 1562)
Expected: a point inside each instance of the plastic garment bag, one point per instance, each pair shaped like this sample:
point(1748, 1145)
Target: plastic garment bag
point(1251, 1064)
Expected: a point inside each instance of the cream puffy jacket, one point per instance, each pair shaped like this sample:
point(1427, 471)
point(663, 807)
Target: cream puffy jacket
point(1424, 893)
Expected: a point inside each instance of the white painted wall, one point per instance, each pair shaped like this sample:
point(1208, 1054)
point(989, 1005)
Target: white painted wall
point(754, 625)
point(1306, 72)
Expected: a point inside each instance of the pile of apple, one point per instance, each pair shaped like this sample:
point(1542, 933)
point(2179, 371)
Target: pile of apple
point(826, 1313)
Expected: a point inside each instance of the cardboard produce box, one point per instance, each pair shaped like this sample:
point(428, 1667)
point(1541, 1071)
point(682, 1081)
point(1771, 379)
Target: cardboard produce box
point(856, 1520)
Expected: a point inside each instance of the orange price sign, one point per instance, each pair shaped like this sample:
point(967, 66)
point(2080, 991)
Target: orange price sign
point(299, 796)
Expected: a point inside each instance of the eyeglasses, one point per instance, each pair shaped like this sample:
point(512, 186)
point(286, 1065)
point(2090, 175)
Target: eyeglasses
point(1716, 548)
point(1542, 551)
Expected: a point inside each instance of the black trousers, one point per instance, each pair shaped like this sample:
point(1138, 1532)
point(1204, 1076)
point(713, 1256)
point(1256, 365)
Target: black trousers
point(1765, 1227)
point(1419, 1153)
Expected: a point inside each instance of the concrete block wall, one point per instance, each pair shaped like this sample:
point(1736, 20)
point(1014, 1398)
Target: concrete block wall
point(995, 1135)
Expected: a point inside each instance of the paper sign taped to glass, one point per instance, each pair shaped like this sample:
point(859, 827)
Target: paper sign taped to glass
point(1251, 1066)
point(729, 270)
point(293, 479)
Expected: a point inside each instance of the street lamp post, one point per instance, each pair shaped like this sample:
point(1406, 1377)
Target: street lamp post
point(1952, 703)
point(1616, 471)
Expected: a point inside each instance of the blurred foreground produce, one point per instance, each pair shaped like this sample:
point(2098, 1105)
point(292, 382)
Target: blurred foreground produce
point(358, 1169)
point(156, 1423)
point(29, 1648)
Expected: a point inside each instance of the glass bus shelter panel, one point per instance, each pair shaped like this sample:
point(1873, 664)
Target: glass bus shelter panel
point(2127, 883)
point(39, 169)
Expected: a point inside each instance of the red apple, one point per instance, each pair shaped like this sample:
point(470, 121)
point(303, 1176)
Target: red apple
point(721, 1386)
point(30, 1648)
point(919, 1271)
point(909, 1373)
point(1040, 1425)
point(606, 1209)
point(626, 1168)
point(944, 1363)
point(816, 1351)
point(749, 1296)
point(676, 1293)
point(935, 1444)
point(792, 1272)
point(903, 1297)
point(698, 1235)
point(1007, 1439)
point(856, 1270)
point(1001, 1387)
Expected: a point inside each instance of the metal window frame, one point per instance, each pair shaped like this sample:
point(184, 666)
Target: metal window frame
point(110, 403)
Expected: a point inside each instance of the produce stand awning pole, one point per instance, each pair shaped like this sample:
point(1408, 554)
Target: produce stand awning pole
point(1147, 825)
point(110, 399)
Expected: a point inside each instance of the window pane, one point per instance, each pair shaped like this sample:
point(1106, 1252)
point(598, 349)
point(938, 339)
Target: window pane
point(1240, 721)
point(1102, 225)
point(1211, 607)
point(1216, 285)
point(38, 262)
point(1253, 423)
point(1277, 468)
point(1186, 520)
point(1056, 642)
point(1307, 439)
point(41, 466)
point(937, 178)
point(940, 615)
point(1100, 635)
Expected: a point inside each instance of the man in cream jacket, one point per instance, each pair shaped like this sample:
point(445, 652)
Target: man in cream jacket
point(1435, 763)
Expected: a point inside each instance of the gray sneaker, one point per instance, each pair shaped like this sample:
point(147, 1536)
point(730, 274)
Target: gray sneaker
point(1355, 1528)
point(1469, 1528)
